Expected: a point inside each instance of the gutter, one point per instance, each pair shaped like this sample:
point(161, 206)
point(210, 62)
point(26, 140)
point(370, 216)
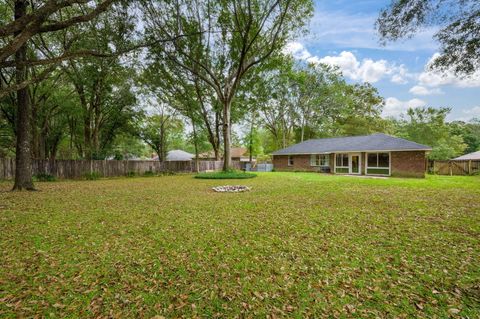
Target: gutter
point(362, 151)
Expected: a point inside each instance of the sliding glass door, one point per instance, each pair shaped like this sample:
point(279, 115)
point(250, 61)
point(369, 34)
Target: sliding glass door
point(355, 164)
point(348, 163)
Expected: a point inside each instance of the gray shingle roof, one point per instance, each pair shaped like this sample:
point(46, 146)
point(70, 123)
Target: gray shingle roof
point(375, 142)
point(467, 157)
point(179, 155)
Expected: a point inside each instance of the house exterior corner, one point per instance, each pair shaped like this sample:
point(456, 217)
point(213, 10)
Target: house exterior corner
point(401, 164)
point(377, 154)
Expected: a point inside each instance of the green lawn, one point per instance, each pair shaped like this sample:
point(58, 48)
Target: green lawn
point(297, 245)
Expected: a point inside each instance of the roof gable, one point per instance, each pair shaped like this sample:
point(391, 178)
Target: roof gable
point(470, 156)
point(375, 142)
point(179, 155)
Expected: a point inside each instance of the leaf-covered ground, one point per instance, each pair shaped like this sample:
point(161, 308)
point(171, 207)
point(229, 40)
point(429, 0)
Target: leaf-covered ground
point(297, 245)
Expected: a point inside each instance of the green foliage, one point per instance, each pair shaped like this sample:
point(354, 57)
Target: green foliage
point(230, 174)
point(226, 46)
point(301, 102)
point(252, 141)
point(93, 176)
point(149, 174)
point(162, 131)
point(470, 132)
point(128, 146)
point(7, 140)
point(427, 126)
point(457, 24)
point(131, 174)
point(44, 177)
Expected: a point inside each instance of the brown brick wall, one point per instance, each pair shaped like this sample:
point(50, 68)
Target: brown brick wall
point(408, 164)
point(403, 164)
point(300, 163)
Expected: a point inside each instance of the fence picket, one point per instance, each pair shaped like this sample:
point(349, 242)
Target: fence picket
point(73, 169)
point(466, 167)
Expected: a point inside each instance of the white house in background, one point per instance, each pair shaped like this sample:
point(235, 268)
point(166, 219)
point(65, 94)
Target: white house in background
point(177, 156)
point(475, 156)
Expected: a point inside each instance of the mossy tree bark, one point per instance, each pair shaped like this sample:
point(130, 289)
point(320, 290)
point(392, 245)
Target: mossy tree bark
point(23, 159)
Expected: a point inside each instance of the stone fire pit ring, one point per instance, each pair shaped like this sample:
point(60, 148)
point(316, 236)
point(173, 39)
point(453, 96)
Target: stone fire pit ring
point(231, 189)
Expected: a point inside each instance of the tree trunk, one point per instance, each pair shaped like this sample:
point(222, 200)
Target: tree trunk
point(217, 134)
point(303, 133)
point(227, 160)
point(251, 138)
point(23, 156)
point(195, 144)
point(87, 136)
point(159, 154)
point(163, 146)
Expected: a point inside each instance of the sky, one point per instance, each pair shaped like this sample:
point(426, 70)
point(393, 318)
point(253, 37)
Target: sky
point(342, 33)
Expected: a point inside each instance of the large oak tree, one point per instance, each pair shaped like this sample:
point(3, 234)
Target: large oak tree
point(36, 20)
point(226, 40)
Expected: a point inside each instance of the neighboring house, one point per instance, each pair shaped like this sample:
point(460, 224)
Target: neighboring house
point(240, 154)
point(475, 156)
point(377, 154)
point(236, 153)
point(177, 156)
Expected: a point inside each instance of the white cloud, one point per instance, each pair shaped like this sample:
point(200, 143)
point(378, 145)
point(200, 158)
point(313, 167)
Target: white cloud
point(465, 115)
point(343, 29)
point(400, 75)
point(434, 78)
point(421, 90)
point(473, 112)
point(367, 70)
point(395, 107)
point(297, 50)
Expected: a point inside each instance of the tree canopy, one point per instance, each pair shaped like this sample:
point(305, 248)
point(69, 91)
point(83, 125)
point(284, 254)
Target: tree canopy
point(458, 23)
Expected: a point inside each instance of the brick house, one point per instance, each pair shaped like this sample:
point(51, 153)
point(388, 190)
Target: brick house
point(377, 154)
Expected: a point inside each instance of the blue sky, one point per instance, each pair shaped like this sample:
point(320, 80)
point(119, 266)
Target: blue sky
point(342, 33)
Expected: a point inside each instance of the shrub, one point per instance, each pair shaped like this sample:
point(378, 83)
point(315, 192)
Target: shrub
point(44, 177)
point(93, 176)
point(230, 174)
point(149, 173)
point(131, 174)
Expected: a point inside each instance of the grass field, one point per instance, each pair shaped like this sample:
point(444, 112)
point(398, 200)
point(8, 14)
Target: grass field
point(297, 245)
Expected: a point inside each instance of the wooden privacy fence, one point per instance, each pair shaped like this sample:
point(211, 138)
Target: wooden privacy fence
point(467, 167)
point(72, 169)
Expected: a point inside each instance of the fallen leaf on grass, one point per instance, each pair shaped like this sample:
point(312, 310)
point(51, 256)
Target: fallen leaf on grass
point(453, 311)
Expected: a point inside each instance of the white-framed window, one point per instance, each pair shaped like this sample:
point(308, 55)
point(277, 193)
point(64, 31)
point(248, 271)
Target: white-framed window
point(378, 163)
point(290, 160)
point(341, 163)
point(320, 160)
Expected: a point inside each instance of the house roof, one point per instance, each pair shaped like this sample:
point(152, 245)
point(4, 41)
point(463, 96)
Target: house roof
point(234, 152)
point(179, 155)
point(238, 151)
point(375, 142)
point(468, 157)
